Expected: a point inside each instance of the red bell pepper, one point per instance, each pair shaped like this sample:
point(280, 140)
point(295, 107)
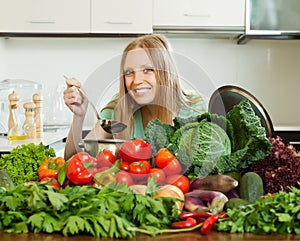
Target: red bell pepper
point(81, 168)
point(51, 181)
point(50, 167)
point(135, 150)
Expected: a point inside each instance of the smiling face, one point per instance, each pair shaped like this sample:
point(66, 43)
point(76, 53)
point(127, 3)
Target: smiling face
point(140, 80)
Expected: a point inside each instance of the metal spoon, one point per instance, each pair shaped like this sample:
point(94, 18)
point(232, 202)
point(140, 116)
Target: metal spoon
point(109, 126)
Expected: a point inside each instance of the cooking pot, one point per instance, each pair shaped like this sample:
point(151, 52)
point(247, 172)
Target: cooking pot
point(94, 146)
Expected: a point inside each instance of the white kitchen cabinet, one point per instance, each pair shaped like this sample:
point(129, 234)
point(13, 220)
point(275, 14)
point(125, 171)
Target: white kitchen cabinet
point(121, 16)
point(45, 16)
point(198, 13)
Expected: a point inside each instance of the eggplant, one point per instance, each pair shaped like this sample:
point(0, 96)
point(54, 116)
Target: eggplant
point(204, 200)
point(221, 183)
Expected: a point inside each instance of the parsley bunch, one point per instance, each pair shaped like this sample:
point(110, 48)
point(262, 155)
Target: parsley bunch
point(112, 211)
point(22, 163)
point(271, 214)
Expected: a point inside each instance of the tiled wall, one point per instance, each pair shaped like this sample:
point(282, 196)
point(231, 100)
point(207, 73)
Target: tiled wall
point(270, 69)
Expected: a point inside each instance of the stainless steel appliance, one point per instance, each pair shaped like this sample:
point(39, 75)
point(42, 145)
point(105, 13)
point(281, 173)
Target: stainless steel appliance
point(272, 19)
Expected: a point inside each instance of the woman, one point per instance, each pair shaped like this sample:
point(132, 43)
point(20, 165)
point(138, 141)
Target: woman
point(149, 89)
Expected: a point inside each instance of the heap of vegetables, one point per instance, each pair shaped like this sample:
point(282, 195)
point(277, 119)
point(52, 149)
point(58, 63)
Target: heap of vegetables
point(181, 178)
point(213, 144)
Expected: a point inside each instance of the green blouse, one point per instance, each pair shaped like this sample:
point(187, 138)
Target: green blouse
point(138, 130)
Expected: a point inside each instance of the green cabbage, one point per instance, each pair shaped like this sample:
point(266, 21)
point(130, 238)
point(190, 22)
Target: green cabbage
point(200, 145)
point(214, 144)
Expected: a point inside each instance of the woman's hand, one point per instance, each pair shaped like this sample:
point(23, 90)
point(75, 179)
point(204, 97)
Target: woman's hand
point(73, 99)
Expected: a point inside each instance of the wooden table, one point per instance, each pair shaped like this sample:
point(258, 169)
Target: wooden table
point(191, 236)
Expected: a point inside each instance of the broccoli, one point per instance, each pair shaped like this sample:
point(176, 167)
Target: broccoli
point(158, 135)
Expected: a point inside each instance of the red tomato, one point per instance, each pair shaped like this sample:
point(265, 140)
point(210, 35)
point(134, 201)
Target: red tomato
point(124, 177)
point(163, 157)
point(139, 169)
point(179, 181)
point(135, 150)
point(159, 174)
point(105, 158)
point(124, 166)
point(173, 167)
point(102, 169)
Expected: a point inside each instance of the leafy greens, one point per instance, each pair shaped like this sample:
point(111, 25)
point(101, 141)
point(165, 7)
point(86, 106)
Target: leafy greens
point(213, 144)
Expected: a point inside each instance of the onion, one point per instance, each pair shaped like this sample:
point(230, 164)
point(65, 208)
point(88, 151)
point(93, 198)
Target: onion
point(140, 189)
point(171, 191)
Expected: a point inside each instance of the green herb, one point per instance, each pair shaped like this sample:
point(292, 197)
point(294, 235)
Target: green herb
point(277, 214)
point(22, 163)
point(113, 211)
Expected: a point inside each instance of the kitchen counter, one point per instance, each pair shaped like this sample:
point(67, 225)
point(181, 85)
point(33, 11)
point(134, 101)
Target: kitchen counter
point(49, 138)
point(190, 236)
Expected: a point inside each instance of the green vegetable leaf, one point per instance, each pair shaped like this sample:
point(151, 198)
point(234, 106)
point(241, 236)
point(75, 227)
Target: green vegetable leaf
point(57, 200)
point(73, 225)
point(22, 163)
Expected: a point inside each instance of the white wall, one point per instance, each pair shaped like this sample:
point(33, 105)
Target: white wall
point(267, 68)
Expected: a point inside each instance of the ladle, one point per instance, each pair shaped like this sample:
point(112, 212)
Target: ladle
point(109, 126)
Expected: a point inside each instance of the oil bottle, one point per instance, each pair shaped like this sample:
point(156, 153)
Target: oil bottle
point(15, 128)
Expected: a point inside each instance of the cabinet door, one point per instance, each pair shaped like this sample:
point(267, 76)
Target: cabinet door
point(45, 16)
point(121, 16)
point(199, 13)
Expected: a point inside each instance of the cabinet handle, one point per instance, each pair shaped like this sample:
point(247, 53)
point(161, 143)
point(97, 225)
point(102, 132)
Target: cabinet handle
point(42, 21)
point(116, 22)
point(201, 15)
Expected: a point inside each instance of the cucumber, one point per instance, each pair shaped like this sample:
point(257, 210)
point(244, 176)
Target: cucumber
point(251, 186)
point(235, 203)
point(5, 181)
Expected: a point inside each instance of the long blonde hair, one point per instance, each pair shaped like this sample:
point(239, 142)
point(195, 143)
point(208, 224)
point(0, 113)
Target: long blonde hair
point(169, 96)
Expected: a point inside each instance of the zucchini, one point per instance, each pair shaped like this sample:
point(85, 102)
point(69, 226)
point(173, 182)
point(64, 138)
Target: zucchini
point(251, 186)
point(5, 181)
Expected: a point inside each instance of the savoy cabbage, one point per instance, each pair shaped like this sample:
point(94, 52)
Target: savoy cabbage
point(213, 144)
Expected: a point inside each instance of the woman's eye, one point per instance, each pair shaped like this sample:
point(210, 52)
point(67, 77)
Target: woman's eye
point(128, 72)
point(148, 70)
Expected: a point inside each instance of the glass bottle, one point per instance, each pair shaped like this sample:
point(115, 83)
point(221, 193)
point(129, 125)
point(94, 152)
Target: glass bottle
point(16, 132)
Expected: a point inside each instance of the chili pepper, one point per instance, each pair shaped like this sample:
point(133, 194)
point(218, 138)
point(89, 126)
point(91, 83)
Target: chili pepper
point(188, 223)
point(80, 168)
point(51, 181)
point(195, 214)
point(222, 215)
point(50, 167)
point(209, 223)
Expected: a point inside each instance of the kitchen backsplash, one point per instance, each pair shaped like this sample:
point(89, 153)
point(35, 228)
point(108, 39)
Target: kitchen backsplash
point(267, 68)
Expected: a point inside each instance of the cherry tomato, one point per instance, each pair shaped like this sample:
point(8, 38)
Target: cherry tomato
point(173, 167)
point(159, 174)
point(135, 150)
point(105, 158)
point(139, 169)
point(179, 181)
point(124, 177)
point(163, 157)
point(124, 166)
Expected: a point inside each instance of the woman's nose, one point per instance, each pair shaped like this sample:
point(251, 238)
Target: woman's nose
point(138, 76)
